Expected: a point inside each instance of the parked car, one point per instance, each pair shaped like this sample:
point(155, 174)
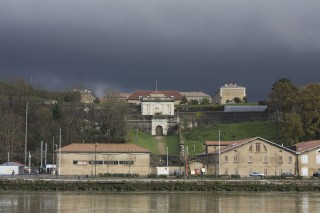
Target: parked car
point(287, 174)
point(316, 174)
point(256, 174)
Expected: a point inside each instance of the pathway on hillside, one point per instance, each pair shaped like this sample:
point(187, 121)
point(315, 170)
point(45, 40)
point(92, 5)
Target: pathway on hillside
point(161, 145)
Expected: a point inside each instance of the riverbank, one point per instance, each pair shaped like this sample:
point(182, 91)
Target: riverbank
point(129, 185)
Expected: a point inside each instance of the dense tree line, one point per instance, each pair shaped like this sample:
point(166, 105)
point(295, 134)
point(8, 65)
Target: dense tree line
point(44, 113)
point(297, 110)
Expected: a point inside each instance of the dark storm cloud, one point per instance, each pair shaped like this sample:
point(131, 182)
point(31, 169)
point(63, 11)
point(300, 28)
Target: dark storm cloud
point(185, 45)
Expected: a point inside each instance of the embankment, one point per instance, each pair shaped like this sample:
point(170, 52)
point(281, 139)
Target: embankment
point(126, 185)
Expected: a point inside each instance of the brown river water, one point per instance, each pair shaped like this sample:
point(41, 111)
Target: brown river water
point(257, 202)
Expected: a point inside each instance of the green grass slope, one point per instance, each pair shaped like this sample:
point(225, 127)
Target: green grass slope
point(194, 138)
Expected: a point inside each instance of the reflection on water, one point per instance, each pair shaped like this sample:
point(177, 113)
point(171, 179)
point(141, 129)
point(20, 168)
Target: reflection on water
point(159, 202)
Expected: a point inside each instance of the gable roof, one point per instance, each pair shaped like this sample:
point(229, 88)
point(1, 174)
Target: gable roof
point(216, 143)
point(145, 93)
point(103, 147)
point(307, 146)
point(239, 143)
point(12, 164)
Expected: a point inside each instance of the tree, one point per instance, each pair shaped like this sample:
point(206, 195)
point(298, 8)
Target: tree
point(291, 128)
point(184, 100)
point(283, 95)
point(205, 101)
point(237, 100)
point(194, 102)
point(245, 99)
point(11, 132)
point(309, 110)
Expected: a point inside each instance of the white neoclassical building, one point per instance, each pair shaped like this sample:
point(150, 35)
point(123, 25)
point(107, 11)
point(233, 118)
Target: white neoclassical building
point(157, 104)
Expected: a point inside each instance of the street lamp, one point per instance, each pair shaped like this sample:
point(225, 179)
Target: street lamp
point(167, 157)
point(95, 160)
point(55, 164)
point(29, 162)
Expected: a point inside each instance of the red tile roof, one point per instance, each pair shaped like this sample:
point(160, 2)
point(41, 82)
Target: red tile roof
point(216, 143)
point(307, 145)
point(144, 93)
point(102, 147)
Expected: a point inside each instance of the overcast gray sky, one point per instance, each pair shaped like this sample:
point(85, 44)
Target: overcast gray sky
point(188, 45)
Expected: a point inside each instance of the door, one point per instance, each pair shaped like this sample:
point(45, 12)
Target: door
point(159, 130)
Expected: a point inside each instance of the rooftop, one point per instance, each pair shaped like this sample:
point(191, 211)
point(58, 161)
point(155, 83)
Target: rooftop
point(103, 147)
point(307, 145)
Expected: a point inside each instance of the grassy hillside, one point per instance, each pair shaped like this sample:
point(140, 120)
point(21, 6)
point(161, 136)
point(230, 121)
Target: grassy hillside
point(194, 138)
point(149, 142)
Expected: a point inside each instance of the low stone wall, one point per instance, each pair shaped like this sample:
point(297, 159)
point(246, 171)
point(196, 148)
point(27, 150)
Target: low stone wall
point(117, 185)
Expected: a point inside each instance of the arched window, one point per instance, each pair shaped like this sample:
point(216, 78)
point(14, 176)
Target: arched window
point(265, 148)
point(250, 148)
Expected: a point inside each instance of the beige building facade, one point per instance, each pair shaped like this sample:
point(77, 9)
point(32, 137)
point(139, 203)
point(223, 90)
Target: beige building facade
point(227, 93)
point(308, 157)
point(254, 154)
point(98, 159)
point(199, 96)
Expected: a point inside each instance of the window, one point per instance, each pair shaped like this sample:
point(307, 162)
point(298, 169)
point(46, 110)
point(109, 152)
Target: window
point(235, 159)
point(126, 162)
point(304, 159)
point(235, 171)
point(265, 159)
point(80, 162)
point(280, 171)
point(280, 159)
point(318, 159)
point(250, 148)
point(290, 160)
point(250, 159)
point(226, 171)
point(226, 158)
point(95, 162)
point(265, 171)
point(110, 162)
point(258, 147)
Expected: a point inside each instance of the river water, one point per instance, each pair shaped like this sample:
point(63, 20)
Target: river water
point(257, 202)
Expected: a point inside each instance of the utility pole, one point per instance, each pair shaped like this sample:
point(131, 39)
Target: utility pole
point(45, 155)
point(52, 155)
point(26, 136)
point(59, 151)
point(41, 156)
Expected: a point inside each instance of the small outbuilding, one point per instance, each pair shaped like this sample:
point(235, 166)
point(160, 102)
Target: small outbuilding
point(12, 168)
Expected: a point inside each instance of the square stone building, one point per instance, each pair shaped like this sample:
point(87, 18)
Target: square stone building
point(97, 159)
